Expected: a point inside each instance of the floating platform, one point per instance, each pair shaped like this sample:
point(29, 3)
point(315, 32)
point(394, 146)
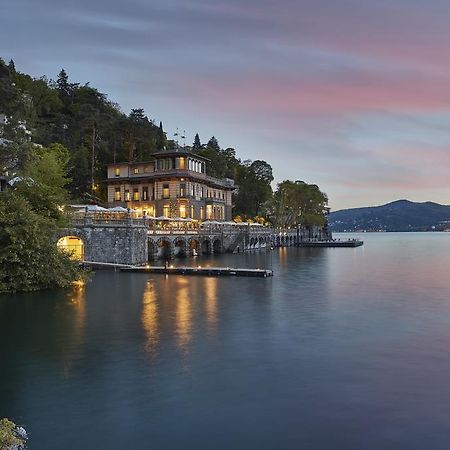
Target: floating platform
point(205, 271)
point(349, 243)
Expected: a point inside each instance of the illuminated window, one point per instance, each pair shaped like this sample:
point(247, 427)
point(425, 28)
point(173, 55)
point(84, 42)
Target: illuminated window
point(127, 195)
point(209, 212)
point(145, 193)
point(166, 210)
point(182, 163)
point(117, 194)
point(192, 212)
point(136, 195)
point(166, 191)
point(117, 171)
point(202, 213)
point(183, 211)
point(136, 170)
point(183, 190)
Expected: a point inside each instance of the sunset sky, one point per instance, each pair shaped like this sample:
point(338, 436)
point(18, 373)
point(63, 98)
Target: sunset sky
point(353, 95)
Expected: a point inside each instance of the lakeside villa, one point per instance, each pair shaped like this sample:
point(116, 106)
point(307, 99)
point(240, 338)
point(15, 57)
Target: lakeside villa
point(174, 184)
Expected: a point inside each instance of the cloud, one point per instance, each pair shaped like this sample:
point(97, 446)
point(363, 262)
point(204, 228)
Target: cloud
point(352, 95)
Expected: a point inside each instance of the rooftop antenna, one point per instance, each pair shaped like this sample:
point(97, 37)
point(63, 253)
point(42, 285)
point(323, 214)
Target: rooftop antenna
point(176, 137)
point(184, 138)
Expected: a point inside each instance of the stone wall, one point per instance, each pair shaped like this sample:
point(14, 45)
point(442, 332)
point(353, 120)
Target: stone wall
point(112, 244)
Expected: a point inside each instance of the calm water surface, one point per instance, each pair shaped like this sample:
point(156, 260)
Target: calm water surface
point(341, 349)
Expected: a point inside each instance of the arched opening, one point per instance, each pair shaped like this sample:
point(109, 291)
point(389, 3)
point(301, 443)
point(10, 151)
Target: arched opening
point(217, 246)
point(179, 248)
point(194, 247)
point(73, 246)
point(206, 246)
point(164, 248)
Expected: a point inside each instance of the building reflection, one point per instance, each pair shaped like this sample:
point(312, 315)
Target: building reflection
point(183, 313)
point(149, 317)
point(210, 285)
point(77, 300)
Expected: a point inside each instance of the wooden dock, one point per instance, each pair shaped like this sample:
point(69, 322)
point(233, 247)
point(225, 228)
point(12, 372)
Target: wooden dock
point(205, 271)
point(350, 243)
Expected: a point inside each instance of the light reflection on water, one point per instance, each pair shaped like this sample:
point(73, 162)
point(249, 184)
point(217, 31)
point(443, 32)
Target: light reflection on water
point(342, 348)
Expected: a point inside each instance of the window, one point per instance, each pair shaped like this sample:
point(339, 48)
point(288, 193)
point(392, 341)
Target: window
point(117, 194)
point(183, 211)
point(135, 195)
point(127, 195)
point(166, 210)
point(202, 213)
point(192, 212)
point(117, 171)
point(136, 170)
point(182, 163)
point(209, 212)
point(183, 190)
point(145, 193)
point(166, 191)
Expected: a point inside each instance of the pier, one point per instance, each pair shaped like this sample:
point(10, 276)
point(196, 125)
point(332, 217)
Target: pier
point(205, 271)
point(352, 243)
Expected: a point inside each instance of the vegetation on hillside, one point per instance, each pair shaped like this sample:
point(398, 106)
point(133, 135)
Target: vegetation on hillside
point(401, 215)
point(30, 215)
point(96, 132)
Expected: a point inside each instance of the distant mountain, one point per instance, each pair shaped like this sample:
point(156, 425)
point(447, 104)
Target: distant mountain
point(401, 215)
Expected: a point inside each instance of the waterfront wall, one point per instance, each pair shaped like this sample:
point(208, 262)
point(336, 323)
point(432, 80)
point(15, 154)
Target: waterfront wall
point(111, 244)
point(132, 242)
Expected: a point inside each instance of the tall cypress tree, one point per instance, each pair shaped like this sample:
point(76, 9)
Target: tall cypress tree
point(197, 145)
point(160, 138)
point(12, 66)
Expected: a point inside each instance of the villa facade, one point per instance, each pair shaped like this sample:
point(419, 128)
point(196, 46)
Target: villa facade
point(174, 184)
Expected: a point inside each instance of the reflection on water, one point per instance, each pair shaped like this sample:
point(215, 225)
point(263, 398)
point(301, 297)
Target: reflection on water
point(210, 286)
point(183, 312)
point(341, 349)
point(77, 300)
point(149, 317)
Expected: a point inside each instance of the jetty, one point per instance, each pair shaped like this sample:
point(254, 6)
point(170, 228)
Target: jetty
point(205, 271)
point(350, 243)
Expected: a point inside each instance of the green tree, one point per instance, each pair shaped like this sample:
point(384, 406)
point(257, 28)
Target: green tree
point(10, 437)
point(298, 203)
point(197, 145)
point(30, 215)
point(11, 66)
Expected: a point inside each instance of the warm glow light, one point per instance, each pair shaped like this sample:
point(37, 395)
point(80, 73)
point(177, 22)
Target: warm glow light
point(73, 246)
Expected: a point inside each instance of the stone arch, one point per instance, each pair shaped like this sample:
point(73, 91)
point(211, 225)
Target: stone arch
point(194, 247)
point(72, 245)
point(262, 242)
point(179, 247)
point(164, 248)
point(217, 245)
point(206, 246)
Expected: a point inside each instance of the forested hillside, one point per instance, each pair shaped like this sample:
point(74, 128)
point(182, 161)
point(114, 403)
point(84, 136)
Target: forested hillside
point(401, 215)
point(96, 132)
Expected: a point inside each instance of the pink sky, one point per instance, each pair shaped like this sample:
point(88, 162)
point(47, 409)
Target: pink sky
point(352, 95)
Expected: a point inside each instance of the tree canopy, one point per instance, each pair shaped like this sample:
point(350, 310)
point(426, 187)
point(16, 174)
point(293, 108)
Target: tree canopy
point(30, 215)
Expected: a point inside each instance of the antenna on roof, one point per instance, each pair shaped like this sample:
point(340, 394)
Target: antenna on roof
point(184, 138)
point(176, 137)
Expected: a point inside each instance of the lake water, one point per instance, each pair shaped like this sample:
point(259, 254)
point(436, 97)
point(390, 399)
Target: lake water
point(341, 349)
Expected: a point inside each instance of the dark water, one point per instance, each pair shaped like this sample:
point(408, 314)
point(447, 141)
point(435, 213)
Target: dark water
point(342, 349)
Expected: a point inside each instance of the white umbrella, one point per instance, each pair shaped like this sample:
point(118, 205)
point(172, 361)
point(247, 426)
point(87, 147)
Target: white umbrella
point(119, 209)
point(163, 218)
point(96, 208)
